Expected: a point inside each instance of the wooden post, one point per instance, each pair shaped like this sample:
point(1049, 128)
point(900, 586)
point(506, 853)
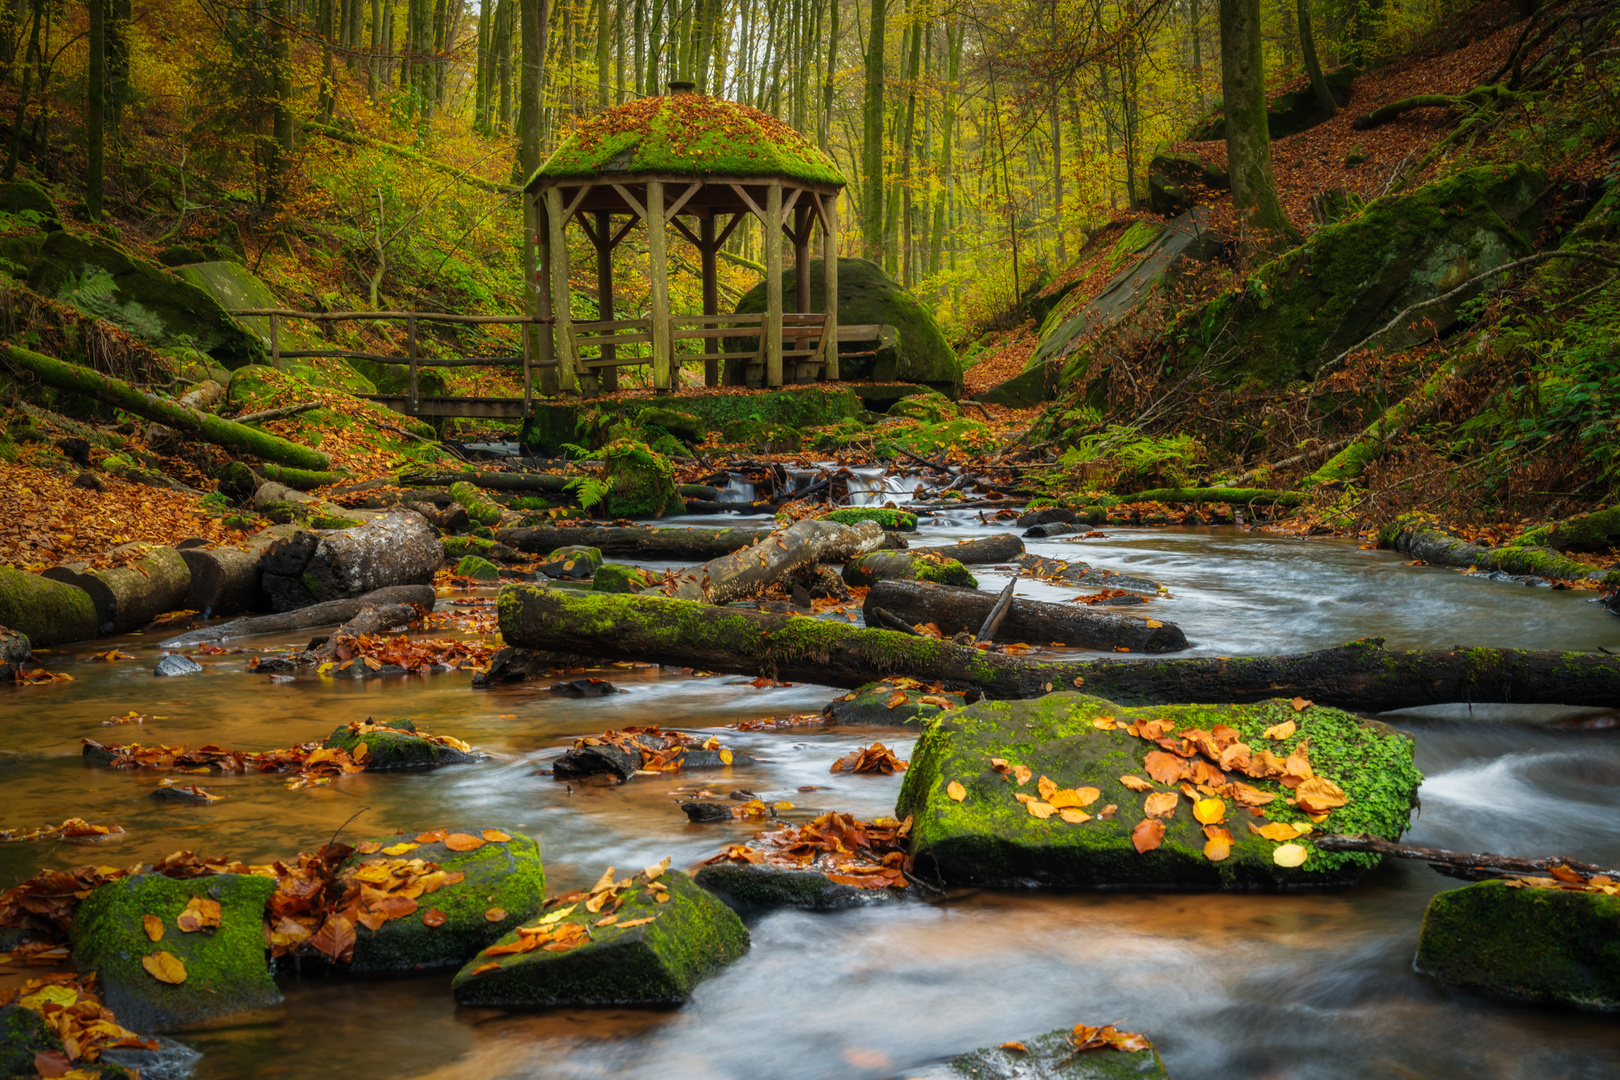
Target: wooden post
point(410, 359)
point(658, 271)
point(707, 251)
point(563, 326)
point(609, 376)
point(773, 284)
point(537, 281)
point(528, 379)
point(829, 286)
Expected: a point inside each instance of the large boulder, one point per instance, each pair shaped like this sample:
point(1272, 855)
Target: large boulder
point(867, 296)
point(898, 702)
point(50, 612)
point(662, 937)
point(1177, 180)
point(501, 884)
point(983, 823)
point(1537, 942)
point(30, 202)
point(1353, 277)
point(235, 287)
point(640, 483)
point(108, 282)
point(182, 978)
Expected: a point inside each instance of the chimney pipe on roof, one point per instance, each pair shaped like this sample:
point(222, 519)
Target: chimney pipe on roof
point(682, 87)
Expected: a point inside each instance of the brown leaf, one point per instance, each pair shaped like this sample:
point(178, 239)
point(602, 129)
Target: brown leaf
point(1021, 774)
point(1073, 816)
point(53, 1063)
point(495, 914)
point(1218, 843)
point(1301, 704)
point(496, 836)
point(165, 968)
point(463, 842)
point(1135, 783)
point(1318, 795)
point(1165, 768)
point(1148, 834)
point(1281, 731)
point(153, 927)
point(1160, 804)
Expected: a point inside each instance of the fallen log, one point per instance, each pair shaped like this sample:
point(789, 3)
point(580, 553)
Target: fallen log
point(300, 479)
point(193, 422)
point(751, 570)
point(224, 580)
point(50, 612)
point(128, 597)
point(1234, 496)
point(550, 483)
point(480, 507)
point(1413, 536)
point(327, 614)
point(957, 611)
point(1469, 867)
point(1360, 676)
point(998, 614)
point(906, 565)
point(398, 548)
point(1000, 548)
point(647, 542)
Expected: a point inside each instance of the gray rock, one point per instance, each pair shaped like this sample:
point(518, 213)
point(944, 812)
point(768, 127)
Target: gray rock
point(176, 664)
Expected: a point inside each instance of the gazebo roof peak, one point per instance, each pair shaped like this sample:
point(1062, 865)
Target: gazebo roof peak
point(688, 135)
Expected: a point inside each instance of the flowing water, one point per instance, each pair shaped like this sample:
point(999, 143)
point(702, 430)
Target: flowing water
point(1230, 986)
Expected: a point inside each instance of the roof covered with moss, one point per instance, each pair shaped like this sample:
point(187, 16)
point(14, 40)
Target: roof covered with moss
point(688, 134)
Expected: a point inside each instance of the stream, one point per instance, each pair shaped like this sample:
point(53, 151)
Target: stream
point(1229, 986)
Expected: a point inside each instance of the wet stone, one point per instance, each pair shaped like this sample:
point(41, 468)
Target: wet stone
point(170, 1061)
point(575, 563)
point(399, 748)
point(701, 811)
point(176, 664)
point(1054, 528)
point(1046, 515)
point(870, 705)
point(747, 886)
point(1051, 1057)
point(584, 688)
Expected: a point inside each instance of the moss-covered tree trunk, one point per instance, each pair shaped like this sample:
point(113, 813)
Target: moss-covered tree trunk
point(635, 541)
point(1248, 136)
point(95, 104)
point(1313, 66)
point(751, 570)
point(872, 136)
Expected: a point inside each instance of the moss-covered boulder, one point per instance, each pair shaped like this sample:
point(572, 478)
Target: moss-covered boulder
point(24, 1033)
point(868, 296)
point(641, 484)
point(575, 561)
point(877, 703)
point(651, 954)
point(935, 408)
point(235, 287)
point(184, 978)
point(479, 569)
point(480, 508)
point(989, 836)
point(1287, 113)
point(1177, 180)
point(455, 547)
point(396, 744)
point(755, 886)
point(1597, 531)
point(689, 428)
point(618, 578)
point(1351, 278)
point(50, 612)
point(1546, 944)
point(897, 520)
point(867, 570)
point(1051, 1057)
point(108, 282)
point(30, 202)
point(502, 884)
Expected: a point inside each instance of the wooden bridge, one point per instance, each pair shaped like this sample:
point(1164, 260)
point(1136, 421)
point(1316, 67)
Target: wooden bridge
point(601, 345)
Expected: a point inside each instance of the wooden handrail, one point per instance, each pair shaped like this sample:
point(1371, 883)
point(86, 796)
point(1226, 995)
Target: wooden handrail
point(429, 316)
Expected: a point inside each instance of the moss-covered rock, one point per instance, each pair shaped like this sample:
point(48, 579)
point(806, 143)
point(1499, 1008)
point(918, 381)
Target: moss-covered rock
point(871, 704)
point(480, 507)
point(618, 578)
point(1177, 180)
point(1351, 278)
point(691, 936)
point(457, 546)
point(762, 885)
point(503, 878)
point(235, 288)
point(50, 612)
point(107, 282)
point(1051, 1057)
point(395, 745)
point(226, 971)
point(479, 569)
point(689, 428)
point(1287, 113)
point(1529, 944)
point(866, 570)
point(575, 561)
point(641, 484)
point(867, 296)
point(1596, 531)
point(22, 1035)
point(934, 408)
point(898, 520)
point(989, 838)
point(30, 202)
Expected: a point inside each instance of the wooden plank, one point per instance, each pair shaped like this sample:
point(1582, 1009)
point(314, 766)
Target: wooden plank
point(675, 208)
point(829, 285)
point(611, 339)
point(754, 319)
point(658, 287)
point(613, 324)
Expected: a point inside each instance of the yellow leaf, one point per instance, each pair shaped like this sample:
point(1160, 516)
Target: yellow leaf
point(557, 916)
point(1318, 795)
point(1073, 816)
point(1281, 731)
point(725, 757)
point(165, 967)
point(1039, 809)
point(1136, 783)
point(1209, 811)
point(1021, 774)
point(1046, 788)
point(153, 926)
point(1289, 855)
point(956, 791)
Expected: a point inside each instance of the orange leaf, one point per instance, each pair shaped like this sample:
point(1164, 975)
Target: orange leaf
point(165, 967)
point(1073, 816)
point(1046, 788)
point(1219, 843)
point(1281, 731)
point(1318, 794)
point(495, 914)
point(434, 917)
point(463, 842)
point(956, 791)
point(1135, 783)
point(485, 968)
point(1021, 774)
point(1039, 809)
point(896, 699)
point(1148, 834)
point(1015, 1046)
point(153, 927)
point(1301, 704)
point(1160, 804)
point(495, 836)
point(1165, 768)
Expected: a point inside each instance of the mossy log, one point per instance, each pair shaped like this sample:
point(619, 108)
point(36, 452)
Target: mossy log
point(1000, 548)
point(50, 612)
point(224, 580)
point(1413, 536)
point(128, 597)
point(1597, 531)
point(1367, 447)
point(480, 507)
point(751, 570)
point(494, 481)
point(1034, 621)
point(1358, 676)
point(1234, 496)
point(330, 613)
point(206, 426)
point(907, 566)
point(1474, 99)
point(635, 541)
point(300, 479)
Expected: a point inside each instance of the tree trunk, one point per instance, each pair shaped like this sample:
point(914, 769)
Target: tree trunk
point(872, 135)
point(95, 107)
point(50, 612)
point(128, 597)
point(280, 147)
point(1466, 865)
point(1307, 47)
point(749, 571)
point(396, 549)
point(329, 613)
point(224, 580)
point(958, 611)
point(1000, 548)
point(1360, 676)
point(1248, 137)
point(636, 541)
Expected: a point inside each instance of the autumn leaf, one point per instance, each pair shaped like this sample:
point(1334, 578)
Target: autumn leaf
point(1021, 774)
point(463, 842)
point(1160, 804)
point(999, 764)
point(1039, 809)
point(434, 917)
point(1289, 855)
point(1073, 816)
point(165, 968)
point(201, 913)
point(1165, 768)
point(1281, 731)
point(54, 1063)
point(1016, 1047)
point(484, 969)
point(1135, 783)
point(1318, 795)
point(495, 914)
point(956, 791)
point(628, 923)
point(1104, 723)
point(1046, 788)
point(1280, 832)
point(1217, 843)
point(400, 849)
point(896, 699)
point(1300, 704)
point(1148, 834)
point(153, 927)
point(1209, 811)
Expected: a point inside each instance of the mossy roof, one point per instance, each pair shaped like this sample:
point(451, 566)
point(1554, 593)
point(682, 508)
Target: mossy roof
point(688, 134)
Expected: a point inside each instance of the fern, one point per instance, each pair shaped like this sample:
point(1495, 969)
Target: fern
point(590, 490)
point(576, 450)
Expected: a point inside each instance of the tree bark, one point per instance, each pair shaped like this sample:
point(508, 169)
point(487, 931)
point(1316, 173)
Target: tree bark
point(1313, 66)
point(224, 581)
point(903, 566)
point(50, 612)
point(637, 541)
point(128, 597)
point(1360, 676)
point(280, 146)
point(1469, 866)
point(201, 425)
point(958, 610)
point(95, 107)
point(872, 136)
point(749, 571)
point(1248, 136)
point(1000, 548)
point(330, 613)
point(395, 549)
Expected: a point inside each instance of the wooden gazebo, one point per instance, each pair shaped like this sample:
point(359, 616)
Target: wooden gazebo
point(659, 160)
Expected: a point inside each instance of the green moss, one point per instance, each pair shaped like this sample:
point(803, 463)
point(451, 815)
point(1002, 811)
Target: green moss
point(22, 1035)
point(943, 571)
point(331, 521)
point(480, 507)
point(688, 134)
point(989, 838)
point(617, 578)
point(1544, 945)
point(890, 519)
point(1133, 240)
point(925, 439)
point(471, 566)
point(573, 561)
point(226, 968)
point(458, 546)
point(50, 612)
point(687, 427)
point(660, 962)
point(642, 483)
point(668, 445)
point(506, 876)
point(934, 408)
point(400, 749)
point(1585, 532)
point(745, 885)
point(869, 705)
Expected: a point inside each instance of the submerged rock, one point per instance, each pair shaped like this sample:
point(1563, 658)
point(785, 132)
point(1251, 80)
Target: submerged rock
point(875, 703)
point(502, 878)
point(222, 970)
point(1051, 1057)
point(624, 753)
point(577, 562)
point(761, 885)
point(479, 569)
point(1530, 944)
point(972, 827)
point(672, 946)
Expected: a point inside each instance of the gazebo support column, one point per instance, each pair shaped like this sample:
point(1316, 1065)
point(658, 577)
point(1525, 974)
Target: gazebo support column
point(773, 284)
point(658, 272)
point(829, 285)
point(564, 325)
point(537, 279)
point(708, 249)
point(608, 376)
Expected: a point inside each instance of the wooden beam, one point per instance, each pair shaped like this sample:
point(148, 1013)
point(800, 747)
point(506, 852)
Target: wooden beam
point(675, 208)
point(725, 234)
point(537, 284)
point(801, 258)
point(829, 285)
point(658, 289)
point(749, 200)
point(629, 224)
point(632, 201)
point(773, 284)
point(579, 197)
point(609, 376)
point(691, 237)
point(563, 329)
point(707, 246)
